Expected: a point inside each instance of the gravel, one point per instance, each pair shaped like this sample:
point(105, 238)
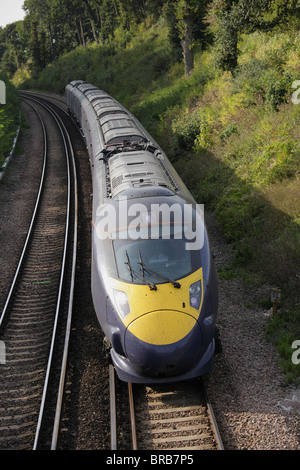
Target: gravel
point(18, 188)
point(254, 409)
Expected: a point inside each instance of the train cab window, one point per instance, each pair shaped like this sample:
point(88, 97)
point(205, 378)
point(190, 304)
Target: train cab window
point(152, 260)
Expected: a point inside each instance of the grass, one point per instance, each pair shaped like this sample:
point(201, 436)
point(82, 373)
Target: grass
point(9, 119)
point(284, 330)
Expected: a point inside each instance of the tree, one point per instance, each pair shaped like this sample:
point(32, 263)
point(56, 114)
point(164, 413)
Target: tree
point(13, 47)
point(189, 14)
point(35, 48)
point(246, 16)
point(39, 12)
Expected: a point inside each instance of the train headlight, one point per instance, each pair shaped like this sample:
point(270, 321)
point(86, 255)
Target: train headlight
point(122, 302)
point(195, 295)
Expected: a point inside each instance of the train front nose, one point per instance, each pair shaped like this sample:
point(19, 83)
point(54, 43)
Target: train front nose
point(163, 343)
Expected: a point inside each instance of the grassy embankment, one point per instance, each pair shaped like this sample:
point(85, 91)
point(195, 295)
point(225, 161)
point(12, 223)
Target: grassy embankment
point(9, 119)
point(235, 141)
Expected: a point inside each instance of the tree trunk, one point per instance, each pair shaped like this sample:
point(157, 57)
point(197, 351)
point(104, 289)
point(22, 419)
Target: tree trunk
point(94, 31)
point(78, 31)
point(51, 43)
point(82, 33)
point(187, 43)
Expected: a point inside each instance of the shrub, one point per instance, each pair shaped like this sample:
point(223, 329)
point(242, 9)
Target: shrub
point(187, 127)
point(192, 129)
point(283, 330)
point(276, 88)
point(230, 129)
point(9, 119)
point(284, 251)
point(260, 81)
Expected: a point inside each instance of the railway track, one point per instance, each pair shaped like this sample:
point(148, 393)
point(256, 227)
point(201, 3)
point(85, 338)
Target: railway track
point(173, 417)
point(36, 318)
point(40, 305)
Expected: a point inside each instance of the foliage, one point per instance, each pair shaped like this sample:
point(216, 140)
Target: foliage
point(253, 134)
point(240, 16)
point(9, 119)
point(258, 78)
point(283, 330)
point(54, 27)
point(13, 42)
point(143, 61)
point(191, 26)
point(192, 129)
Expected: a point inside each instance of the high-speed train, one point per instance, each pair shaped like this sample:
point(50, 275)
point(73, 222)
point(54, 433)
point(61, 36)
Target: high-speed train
point(154, 285)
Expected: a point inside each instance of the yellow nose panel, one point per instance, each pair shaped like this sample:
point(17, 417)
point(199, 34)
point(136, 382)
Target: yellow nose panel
point(162, 327)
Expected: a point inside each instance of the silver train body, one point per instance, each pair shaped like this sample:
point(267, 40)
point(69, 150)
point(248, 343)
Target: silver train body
point(156, 299)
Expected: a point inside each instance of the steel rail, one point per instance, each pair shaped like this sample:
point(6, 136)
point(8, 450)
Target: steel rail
point(69, 157)
point(60, 395)
point(113, 412)
point(132, 417)
point(113, 408)
point(70, 306)
point(38, 198)
point(213, 420)
point(45, 389)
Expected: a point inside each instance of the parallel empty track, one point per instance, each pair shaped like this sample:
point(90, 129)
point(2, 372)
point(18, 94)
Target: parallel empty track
point(40, 292)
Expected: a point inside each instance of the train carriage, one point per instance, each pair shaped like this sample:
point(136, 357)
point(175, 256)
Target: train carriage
point(154, 284)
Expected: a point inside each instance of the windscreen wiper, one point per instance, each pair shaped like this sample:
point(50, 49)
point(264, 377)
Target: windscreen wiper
point(146, 268)
point(133, 273)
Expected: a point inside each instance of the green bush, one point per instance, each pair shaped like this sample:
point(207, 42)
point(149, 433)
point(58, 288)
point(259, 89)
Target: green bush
point(9, 119)
point(286, 156)
point(276, 88)
point(283, 330)
point(260, 81)
point(187, 127)
point(230, 129)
